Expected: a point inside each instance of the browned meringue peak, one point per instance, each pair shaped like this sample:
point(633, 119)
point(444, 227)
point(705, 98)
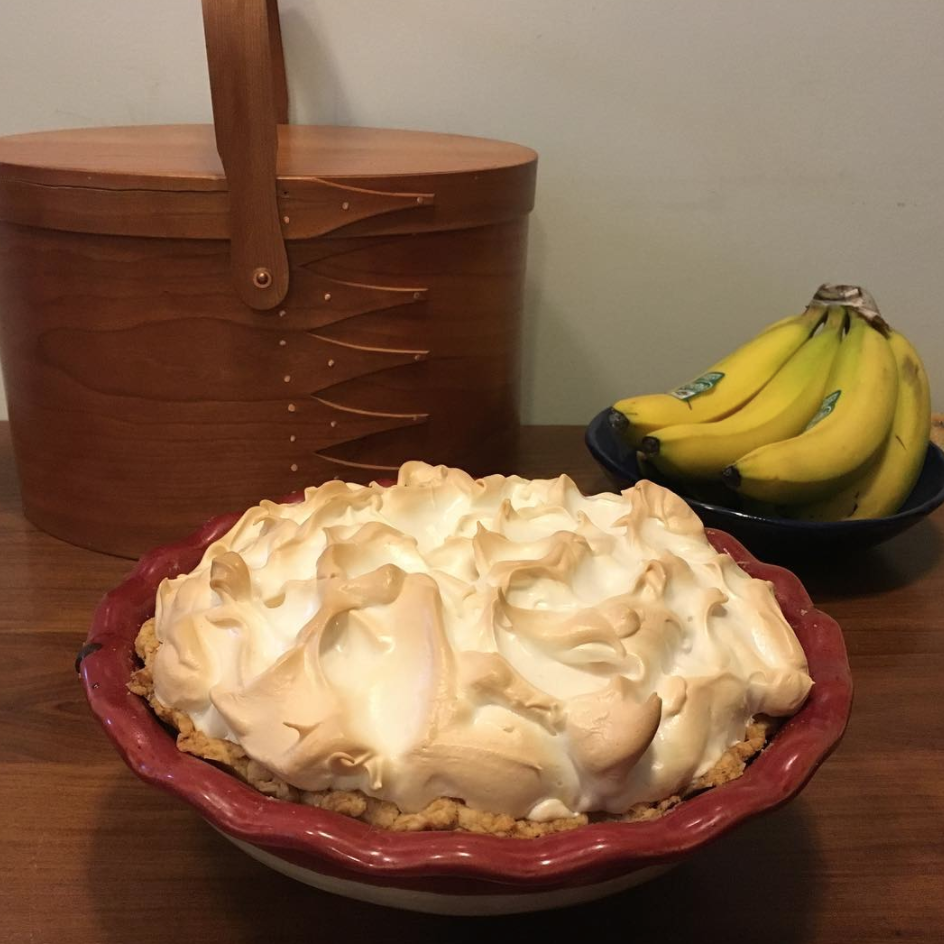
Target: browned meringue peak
point(488, 679)
point(509, 642)
point(609, 730)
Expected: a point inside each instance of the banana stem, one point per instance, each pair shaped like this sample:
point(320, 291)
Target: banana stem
point(855, 298)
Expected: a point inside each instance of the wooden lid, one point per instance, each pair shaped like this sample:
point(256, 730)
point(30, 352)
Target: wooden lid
point(184, 157)
point(270, 182)
point(168, 181)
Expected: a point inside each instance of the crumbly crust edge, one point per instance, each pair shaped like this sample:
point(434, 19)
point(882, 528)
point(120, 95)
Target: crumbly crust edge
point(443, 813)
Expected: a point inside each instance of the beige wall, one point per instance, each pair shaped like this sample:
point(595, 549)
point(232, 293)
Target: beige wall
point(705, 164)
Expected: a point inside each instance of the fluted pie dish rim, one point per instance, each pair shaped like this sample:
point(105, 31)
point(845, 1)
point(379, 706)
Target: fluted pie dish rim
point(333, 844)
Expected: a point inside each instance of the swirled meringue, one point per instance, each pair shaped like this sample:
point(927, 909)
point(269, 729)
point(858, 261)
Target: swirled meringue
point(511, 643)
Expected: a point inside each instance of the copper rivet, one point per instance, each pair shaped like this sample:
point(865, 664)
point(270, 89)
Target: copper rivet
point(262, 278)
point(291, 408)
point(286, 219)
point(345, 205)
point(282, 313)
point(417, 295)
point(294, 466)
point(282, 342)
point(291, 438)
point(331, 362)
point(417, 357)
point(327, 296)
point(287, 378)
point(334, 423)
point(419, 199)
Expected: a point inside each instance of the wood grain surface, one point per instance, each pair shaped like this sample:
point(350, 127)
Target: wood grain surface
point(131, 363)
point(93, 856)
point(184, 157)
point(239, 57)
point(342, 300)
point(277, 55)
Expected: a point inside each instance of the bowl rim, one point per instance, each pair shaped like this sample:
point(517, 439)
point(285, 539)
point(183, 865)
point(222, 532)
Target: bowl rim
point(933, 453)
point(334, 842)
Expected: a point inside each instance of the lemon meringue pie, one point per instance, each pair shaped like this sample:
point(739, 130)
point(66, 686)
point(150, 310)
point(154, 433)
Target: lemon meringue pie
point(499, 654)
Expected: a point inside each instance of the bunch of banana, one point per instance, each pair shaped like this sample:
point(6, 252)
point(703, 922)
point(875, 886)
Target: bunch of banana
point(822, 416)
point(725, 386)
point(889, 479)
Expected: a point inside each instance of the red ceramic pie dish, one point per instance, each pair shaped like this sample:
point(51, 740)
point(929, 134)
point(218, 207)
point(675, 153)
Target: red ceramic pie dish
point(439, 871)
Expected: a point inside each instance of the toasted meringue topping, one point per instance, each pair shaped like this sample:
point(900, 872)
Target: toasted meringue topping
point(507, 642)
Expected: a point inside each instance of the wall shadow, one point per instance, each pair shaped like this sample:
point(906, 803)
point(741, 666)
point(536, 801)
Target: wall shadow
point(315, 94)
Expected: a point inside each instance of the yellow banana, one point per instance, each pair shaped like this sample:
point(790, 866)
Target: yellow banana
point(781, 410)
point(844, 436)
point(726, 385)
point(890, 479)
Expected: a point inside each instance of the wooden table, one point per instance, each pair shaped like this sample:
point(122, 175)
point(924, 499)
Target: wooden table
point(91, 854)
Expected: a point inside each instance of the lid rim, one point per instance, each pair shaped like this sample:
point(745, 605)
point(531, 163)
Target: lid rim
point(189, 162)
point(309, 207)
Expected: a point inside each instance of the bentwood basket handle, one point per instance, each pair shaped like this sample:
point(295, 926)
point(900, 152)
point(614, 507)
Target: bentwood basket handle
point(250, 100)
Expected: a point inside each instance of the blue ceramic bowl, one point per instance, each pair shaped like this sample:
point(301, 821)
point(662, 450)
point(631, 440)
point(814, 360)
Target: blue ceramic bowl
point(778, 536)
